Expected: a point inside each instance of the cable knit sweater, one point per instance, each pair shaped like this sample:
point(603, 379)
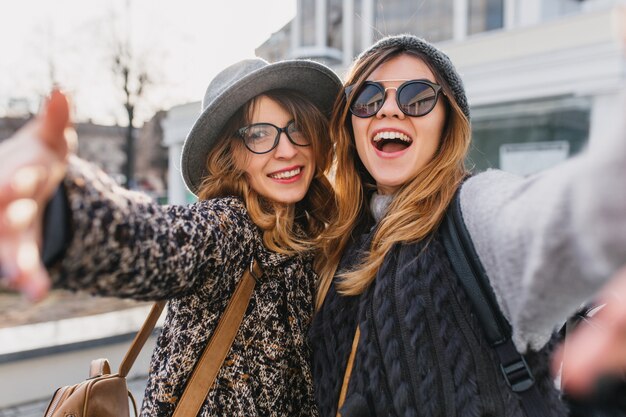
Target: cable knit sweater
point(548, 242)
point(421, 350)
point(126, 245)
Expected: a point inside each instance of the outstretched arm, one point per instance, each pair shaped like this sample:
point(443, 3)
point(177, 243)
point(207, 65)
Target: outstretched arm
point(550, 241)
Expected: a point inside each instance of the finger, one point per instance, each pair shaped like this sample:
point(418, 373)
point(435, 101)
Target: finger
point(22, 268)
point(18, 216)
point(34, 287)
point(38, 286)
point(593, 351)
point(53, 122)
point(586, 359)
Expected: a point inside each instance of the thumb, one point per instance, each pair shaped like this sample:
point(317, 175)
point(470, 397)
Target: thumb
point(54, 119)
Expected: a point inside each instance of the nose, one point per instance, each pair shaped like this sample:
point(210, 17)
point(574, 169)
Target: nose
point(285, 149)
point(390, 106)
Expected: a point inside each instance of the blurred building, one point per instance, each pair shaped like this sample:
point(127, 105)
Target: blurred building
point(542, 76)
point(151, 164)
point(8, 125)
point(104, 146)
point(176, 126)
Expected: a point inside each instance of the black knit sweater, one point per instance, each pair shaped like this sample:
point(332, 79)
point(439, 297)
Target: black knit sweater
point(421, 351)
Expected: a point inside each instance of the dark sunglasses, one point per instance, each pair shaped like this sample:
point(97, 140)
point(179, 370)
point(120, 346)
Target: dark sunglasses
point(263, 137)
point(414, 97)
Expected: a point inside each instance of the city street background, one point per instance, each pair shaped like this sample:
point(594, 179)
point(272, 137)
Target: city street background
point(543, 79)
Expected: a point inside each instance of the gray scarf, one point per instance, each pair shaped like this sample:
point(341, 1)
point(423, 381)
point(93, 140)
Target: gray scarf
point(379, 204)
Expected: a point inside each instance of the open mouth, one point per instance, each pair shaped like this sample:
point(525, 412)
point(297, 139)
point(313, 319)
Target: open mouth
point(391, 141)
point(286, 175)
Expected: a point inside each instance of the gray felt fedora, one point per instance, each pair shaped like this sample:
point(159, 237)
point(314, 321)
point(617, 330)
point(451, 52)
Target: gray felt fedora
point(239, 83)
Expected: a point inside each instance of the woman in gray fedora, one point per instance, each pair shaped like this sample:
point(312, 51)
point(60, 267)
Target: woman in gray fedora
point(257, 158)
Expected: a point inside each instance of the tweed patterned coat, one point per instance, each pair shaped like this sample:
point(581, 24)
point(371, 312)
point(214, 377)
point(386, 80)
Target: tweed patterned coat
point(126, 245)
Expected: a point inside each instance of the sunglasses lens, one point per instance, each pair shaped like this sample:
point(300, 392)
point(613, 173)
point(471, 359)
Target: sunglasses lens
point(367, 101)
point(417, 98)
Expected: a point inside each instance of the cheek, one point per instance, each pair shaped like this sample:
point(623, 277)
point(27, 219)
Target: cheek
point(309, 155)
point(245, 162)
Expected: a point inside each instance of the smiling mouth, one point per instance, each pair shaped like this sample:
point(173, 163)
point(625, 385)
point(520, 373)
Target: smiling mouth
point(390, 142)
point(286, 175)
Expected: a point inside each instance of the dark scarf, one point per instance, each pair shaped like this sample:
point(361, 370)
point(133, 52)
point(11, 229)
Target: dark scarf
point(421, 351)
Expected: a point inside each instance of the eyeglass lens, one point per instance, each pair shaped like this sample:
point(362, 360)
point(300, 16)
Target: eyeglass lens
point(263, 137)
point(414, 99)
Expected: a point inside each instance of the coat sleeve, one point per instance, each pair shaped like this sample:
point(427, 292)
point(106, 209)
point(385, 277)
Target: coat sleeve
point(548, 242)
point(126, 245)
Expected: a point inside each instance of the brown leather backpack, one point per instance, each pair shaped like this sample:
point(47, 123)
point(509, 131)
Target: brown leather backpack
point(102, 395)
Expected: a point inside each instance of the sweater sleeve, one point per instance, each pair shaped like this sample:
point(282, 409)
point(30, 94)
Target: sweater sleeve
point(548, 242)
point(126, 245)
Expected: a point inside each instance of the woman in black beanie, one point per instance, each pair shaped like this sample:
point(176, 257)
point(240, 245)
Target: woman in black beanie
point(395, 333)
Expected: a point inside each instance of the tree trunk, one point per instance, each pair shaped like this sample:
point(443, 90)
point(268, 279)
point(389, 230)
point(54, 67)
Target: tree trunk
point(130, 150)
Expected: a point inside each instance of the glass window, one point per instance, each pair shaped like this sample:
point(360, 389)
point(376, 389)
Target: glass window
point(556, 8)
point(431, 20)
point(484, 15)
point(307, 17)
point(357, 30)
point(528, 137)
point(335, 34)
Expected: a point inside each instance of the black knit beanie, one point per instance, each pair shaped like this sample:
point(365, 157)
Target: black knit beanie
point(437, 58)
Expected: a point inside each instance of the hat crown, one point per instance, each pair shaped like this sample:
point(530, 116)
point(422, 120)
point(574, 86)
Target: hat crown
point(226, 78)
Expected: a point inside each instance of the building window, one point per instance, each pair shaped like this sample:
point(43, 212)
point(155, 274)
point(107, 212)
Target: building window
point(552, 9)
point(528, 137)
point(485, 15)
point(335, 23)
point(431, 20)
point(308, 23)
point(357, 30)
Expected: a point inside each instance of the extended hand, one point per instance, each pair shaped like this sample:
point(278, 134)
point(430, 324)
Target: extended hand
point(597, 347)
point(32, 165)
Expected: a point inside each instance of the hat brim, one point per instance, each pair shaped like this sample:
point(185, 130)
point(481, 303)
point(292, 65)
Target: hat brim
point(316, 81)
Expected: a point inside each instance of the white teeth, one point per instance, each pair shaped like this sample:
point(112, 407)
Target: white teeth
point(286, 174)
point(391, 135)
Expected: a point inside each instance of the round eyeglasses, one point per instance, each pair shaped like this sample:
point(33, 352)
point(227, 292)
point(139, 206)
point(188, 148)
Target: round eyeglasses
point(263, 137)
point(414, 97)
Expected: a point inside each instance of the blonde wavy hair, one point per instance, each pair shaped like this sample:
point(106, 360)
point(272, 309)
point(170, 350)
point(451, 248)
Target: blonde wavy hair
point(287, 228)
point(419, 205)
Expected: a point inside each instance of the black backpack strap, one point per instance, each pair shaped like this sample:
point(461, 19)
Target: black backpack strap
point(472, 276)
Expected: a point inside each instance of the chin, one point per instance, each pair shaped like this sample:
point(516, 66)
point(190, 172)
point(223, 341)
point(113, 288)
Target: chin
point(288, 199)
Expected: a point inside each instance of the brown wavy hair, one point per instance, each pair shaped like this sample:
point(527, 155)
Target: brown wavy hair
point(419, 205)
point(287, 228)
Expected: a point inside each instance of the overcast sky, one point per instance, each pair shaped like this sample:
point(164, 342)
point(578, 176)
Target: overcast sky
point(183, 43)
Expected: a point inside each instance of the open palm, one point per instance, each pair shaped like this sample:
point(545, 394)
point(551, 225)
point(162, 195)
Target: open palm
point(32, 165)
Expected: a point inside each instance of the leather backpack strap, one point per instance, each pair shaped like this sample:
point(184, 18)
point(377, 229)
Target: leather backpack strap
point(99, 367)
point(140, 338)
point(210, 362)
point(348, 372)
